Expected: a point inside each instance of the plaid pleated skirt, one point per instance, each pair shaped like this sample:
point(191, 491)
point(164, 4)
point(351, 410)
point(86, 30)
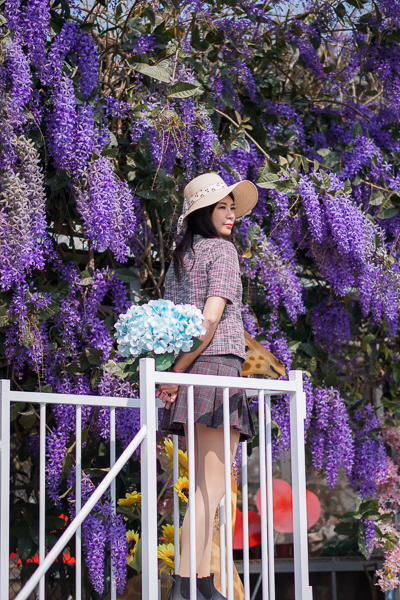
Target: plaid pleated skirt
point(208, 402)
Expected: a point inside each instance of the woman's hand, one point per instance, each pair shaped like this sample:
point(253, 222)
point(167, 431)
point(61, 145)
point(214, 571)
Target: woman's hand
point(167, 394)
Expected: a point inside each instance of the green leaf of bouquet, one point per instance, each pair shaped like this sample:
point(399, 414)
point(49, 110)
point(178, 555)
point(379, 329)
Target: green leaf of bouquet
point(164, 361)
point(159, 73)
point(183, 90)
point(196, 344)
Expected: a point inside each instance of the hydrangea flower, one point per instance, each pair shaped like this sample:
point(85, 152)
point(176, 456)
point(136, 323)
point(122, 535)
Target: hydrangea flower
point(160, 327)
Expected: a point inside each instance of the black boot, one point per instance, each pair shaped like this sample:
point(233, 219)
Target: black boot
point(216, 595)
point(178, 588)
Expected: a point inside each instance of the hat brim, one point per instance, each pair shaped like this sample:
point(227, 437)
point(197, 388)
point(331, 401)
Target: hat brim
point(244, 193)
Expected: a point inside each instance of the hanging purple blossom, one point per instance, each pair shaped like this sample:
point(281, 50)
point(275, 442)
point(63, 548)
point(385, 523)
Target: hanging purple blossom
point(107, 208)
point(330, 325)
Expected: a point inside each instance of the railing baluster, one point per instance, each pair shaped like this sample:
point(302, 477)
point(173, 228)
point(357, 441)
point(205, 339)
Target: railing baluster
point(228, 492)
point(302, 587)
point(4, 488)
point(192, 491)
point(78, 503)
point(270, 500)
point(113, 491)
point(222, 562)
point(263, 494)
point(148, 458)
point(86, 509)
point(245, 512)
point(42, 495)
point(175, 477)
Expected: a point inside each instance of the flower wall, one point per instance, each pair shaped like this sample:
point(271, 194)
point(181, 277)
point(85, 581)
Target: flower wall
point(105, 114)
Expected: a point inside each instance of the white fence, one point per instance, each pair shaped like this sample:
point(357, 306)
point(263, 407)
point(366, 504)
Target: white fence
point(146, 438)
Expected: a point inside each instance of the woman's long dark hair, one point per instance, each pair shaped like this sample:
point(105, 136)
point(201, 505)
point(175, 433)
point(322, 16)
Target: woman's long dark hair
point(199, 222)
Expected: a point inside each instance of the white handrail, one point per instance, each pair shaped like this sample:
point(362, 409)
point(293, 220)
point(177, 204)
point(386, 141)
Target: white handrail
point(148, 404)
point(271, 386)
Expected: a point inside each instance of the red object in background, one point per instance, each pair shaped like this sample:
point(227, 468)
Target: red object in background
point(283, 506)
point(254, 530)
point(67, 559)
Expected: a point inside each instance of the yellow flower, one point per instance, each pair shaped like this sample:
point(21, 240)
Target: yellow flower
point(130, 499)
point(182, 484)
point(182, 457)
point(168, 533)
point(133, 538)
point(166, 553)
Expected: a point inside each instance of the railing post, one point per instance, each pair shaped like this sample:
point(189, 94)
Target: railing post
point(148, 415)
point(4, 488)
point(303, 590)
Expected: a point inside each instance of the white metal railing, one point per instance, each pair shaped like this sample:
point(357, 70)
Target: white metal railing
point(146, 438)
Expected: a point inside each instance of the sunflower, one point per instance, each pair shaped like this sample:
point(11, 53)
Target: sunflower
point(166, 553)
point(133, 538)
point(182, 484)
point(182, 457)
point(168, 533)
point(130, 499)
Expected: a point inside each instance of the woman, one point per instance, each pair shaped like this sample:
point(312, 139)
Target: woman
point(205, 272)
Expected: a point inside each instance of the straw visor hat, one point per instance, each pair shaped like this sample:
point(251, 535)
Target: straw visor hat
point(209, 189)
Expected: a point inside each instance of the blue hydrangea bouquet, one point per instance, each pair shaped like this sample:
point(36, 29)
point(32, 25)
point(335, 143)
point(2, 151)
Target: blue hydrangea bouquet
point(161, 329)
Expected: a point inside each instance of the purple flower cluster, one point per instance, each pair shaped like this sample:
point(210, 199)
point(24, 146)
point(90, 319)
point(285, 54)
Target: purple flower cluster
point(369, 532)
point(331, 437)
point(330, 325)
point(72, 133)
point(30, 23)
point(280, 280)
point(23, 235)
point(107, 208)
point(144, 44)
point(103, 530)
point(370, 462)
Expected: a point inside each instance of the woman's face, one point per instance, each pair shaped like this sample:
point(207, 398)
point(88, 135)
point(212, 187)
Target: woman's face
point(223, 216)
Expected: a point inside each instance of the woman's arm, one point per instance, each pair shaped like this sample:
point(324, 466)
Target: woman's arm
point(213, 309)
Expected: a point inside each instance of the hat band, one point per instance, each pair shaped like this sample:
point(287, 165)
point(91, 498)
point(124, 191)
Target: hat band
point(208, 190)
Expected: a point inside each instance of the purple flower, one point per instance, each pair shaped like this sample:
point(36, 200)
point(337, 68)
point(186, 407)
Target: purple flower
point(330, 325)
point(370, 457)
point(107, 208)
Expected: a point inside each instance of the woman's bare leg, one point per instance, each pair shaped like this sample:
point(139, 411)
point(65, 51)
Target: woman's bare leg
point(210, 488)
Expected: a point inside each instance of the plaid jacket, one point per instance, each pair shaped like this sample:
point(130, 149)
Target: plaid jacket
point(212, 270)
